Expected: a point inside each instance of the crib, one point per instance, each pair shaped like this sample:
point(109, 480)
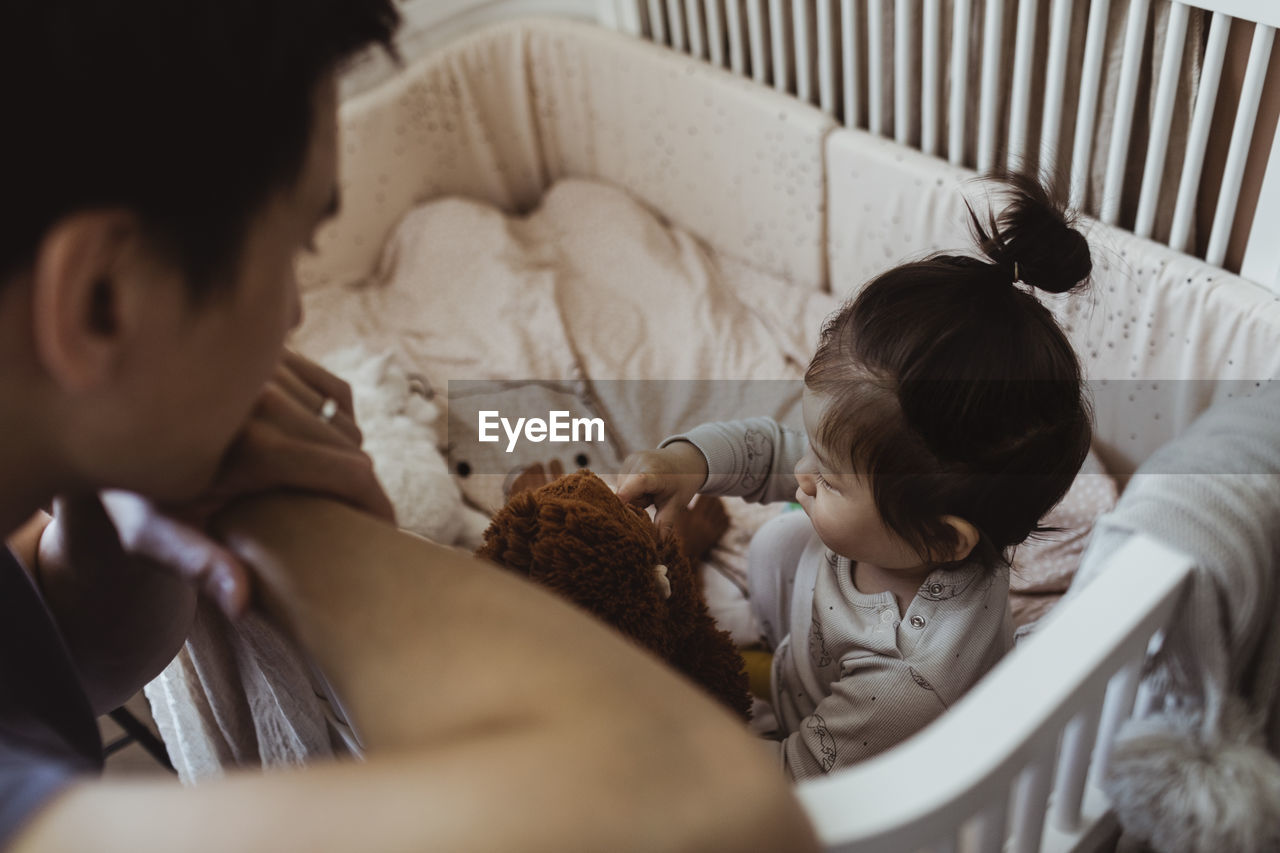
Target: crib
point(835, 103)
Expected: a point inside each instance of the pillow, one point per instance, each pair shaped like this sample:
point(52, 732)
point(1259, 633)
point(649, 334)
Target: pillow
point(590, 286)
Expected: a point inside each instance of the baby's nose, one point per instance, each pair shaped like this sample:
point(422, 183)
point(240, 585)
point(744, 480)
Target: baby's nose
point(804, 477)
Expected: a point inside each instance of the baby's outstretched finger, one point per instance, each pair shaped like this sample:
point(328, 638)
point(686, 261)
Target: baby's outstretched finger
point(637, 487)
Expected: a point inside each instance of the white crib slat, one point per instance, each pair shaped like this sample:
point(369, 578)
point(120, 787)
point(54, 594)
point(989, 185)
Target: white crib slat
point(946, 845)
point(1162, 119)
point(850, 57)
point(903, 61)
point(675, 21)
point(622, 15)
point(1126, 95)
point(931, 49)
point(1086, 112)
point(959, 106)
point(1198, 136)
point(800, 34)
point(875, 69)
point(733, 24)
point(1021, 96)
point(989, 827)
point(778, 41)
point(657, 22)
point(755, 24)
point(1116, 708)
point(1054, 83)
point(992, 44)
point(693, 18)
point(1031, 802)
point(1262, 253)
point(826, 62)
point(1073, 768)
point(715, 32)
point(1241, 136)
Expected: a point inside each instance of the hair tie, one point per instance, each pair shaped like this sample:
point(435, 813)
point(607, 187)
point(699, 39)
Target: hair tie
point(1017, 277)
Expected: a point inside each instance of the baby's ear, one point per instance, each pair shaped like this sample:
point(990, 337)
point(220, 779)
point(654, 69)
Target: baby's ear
point(966, 538)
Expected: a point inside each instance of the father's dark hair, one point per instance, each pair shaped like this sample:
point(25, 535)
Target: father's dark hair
point(188, 112)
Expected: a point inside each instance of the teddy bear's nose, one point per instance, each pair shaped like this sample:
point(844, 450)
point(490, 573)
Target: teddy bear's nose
point(664, 583)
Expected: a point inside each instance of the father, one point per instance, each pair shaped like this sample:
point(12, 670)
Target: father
point(162, 164)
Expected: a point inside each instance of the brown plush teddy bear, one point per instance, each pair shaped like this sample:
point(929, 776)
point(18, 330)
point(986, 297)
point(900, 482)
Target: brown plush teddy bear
point(574, 536)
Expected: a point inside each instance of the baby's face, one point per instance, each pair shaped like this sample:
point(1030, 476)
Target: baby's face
point(839, 502)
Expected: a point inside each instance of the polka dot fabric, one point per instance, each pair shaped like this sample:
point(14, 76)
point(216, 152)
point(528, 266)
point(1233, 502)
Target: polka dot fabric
point(739, 164)
point(500, 115)
point(1160, 335)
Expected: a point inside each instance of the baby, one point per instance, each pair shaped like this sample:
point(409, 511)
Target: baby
point(944, 415)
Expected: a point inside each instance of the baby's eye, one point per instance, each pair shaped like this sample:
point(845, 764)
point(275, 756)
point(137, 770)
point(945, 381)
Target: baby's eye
point(822, 481)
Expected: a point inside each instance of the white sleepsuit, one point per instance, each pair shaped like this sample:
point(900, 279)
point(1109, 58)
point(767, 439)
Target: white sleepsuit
point(850, 678)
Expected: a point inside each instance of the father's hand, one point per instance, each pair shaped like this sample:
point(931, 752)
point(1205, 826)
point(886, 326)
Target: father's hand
point(301, 435)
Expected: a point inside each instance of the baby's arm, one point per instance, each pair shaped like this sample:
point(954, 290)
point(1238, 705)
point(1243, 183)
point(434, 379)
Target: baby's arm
point(753, 458)
point(879, 703)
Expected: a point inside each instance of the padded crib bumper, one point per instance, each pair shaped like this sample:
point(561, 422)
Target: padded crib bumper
point(765, 180)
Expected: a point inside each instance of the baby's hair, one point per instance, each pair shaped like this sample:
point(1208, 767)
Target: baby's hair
point(953, 388)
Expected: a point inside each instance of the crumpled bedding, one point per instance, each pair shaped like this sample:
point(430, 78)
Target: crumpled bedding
point(592, 294)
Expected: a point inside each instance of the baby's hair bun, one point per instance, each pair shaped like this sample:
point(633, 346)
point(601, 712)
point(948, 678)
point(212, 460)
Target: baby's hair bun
point(1034, 239)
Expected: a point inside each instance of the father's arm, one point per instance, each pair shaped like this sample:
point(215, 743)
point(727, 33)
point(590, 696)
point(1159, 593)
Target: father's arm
point(496, 716)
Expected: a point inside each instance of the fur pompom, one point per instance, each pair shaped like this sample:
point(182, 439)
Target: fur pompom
point(1183, 790)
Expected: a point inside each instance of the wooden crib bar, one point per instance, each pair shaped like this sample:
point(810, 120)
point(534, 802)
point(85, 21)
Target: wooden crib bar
point(904, 63)
point(959, 82)
point(1073, 767)
point(1122, 124)
point(1241, 136)
point(1198, 139)
point(826, 60)
point(931, 67)
point(851, 54)
point(778, 40)
point(884, 65)
point(992, 44)
point(1031, 793)
point(875, 70)
point(1162, 120)
point(1082, 145)
point(1024, 48)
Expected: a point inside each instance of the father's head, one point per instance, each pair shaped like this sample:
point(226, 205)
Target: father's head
point(161, 164)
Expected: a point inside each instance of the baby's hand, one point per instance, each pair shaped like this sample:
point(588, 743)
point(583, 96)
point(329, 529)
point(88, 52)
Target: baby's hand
point(666, 478)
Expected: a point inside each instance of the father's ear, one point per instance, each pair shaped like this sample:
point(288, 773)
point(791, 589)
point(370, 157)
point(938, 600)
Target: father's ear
point(80, 293)
point(966, 537)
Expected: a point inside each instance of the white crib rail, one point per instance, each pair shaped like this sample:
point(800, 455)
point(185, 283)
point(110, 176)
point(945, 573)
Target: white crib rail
point(885, 55)
point(990, 772)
